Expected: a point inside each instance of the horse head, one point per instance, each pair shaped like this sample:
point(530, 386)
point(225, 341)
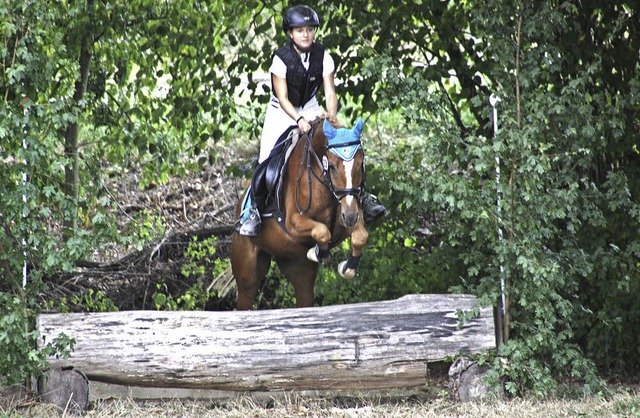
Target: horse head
point(343, 167)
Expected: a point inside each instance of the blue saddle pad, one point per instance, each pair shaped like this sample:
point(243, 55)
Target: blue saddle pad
point(246, 205)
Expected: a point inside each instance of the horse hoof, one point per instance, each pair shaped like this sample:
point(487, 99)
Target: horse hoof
point(312, 254)
point(346, 272)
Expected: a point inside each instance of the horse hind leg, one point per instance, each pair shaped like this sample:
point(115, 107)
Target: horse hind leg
point(301, 273)
point(248, 270)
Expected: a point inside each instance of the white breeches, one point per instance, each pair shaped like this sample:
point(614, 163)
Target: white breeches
point(277, 121)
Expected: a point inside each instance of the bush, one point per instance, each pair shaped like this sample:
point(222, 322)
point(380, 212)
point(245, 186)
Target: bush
point(21, 357)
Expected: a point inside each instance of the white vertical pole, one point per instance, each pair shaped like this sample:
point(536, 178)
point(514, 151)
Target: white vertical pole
point(25, 179)
point(493, 101)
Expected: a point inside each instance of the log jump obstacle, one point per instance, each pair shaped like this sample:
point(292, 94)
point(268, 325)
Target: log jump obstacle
point(375, 345)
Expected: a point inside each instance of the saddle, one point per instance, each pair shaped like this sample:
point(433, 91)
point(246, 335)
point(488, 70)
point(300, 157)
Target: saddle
point(266, 183)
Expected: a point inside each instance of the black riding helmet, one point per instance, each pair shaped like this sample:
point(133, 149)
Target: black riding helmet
point(298, 16)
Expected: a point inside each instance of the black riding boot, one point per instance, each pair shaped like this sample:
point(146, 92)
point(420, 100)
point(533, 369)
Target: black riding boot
point(372, 208)
point(250, 222)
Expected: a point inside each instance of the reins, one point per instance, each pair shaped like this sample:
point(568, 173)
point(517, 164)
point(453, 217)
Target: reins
point(306, 157)
point(324, 178)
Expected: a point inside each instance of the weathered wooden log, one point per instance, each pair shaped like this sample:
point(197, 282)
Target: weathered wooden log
point(68, 389)
point(370, 345)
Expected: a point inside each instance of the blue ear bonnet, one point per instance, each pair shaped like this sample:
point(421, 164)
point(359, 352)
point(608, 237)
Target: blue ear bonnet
point(343, 142)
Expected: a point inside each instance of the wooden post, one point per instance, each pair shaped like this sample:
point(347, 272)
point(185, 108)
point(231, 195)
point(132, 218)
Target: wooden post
point(361, 346)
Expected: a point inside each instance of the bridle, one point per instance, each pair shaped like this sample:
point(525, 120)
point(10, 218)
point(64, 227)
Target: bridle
point(310, 156)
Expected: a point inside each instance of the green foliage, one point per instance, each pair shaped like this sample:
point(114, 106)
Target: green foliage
point(94, 301)
point(143, 84)
point(392, 266)
point(21, 359)
point(629, 408)
point(202, 261)
point(563, 202)
point(193, 299)
point(163, 300)
point(283, 295)
point(202, 265)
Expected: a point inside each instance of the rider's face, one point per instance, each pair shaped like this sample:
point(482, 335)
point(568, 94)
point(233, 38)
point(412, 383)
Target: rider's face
point(303, 36)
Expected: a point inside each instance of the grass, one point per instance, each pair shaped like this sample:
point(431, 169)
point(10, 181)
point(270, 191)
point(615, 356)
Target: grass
point(624, 403)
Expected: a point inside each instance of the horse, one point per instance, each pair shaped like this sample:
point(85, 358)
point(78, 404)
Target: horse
point(319, 203)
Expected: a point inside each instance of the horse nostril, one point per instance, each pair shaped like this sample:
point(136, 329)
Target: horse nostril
point(350, 219)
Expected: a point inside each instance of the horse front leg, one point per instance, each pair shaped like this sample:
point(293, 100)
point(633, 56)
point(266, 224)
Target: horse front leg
point(359, 238)
point(302, 228)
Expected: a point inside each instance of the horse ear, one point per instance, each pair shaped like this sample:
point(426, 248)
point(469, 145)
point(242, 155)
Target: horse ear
point(328, 129)
point(357, 130)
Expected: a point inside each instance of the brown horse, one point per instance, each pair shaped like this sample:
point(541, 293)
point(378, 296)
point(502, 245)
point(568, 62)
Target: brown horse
point(320, 201)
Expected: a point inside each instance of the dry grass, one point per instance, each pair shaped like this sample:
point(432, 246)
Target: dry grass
point(622, 404)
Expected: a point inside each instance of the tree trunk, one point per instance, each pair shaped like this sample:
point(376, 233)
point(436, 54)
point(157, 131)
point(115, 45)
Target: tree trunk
point(71, 170)
point(362, 346)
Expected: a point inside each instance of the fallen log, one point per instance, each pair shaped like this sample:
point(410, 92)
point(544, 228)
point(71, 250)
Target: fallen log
point(360, 346)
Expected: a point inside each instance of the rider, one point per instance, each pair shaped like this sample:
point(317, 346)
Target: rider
point(297, 72)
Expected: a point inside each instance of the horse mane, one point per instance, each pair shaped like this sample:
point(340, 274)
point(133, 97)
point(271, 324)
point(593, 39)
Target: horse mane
point(320, 119)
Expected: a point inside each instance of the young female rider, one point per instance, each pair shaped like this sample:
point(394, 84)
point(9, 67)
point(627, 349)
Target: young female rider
point(297, 72)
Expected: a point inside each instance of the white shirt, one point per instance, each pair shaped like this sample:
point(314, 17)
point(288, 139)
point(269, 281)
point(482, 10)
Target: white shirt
point(279, 68)
point(277, 120)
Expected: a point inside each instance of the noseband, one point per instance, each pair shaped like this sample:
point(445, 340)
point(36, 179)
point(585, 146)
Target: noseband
point(340, 194)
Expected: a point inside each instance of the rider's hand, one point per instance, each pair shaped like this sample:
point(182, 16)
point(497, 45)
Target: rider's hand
point(333, 119)
point(304, 125)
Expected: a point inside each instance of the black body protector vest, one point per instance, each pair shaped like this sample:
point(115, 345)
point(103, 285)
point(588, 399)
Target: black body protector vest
point(302, 84)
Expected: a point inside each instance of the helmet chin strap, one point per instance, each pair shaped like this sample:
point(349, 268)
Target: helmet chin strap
point(301, 49)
